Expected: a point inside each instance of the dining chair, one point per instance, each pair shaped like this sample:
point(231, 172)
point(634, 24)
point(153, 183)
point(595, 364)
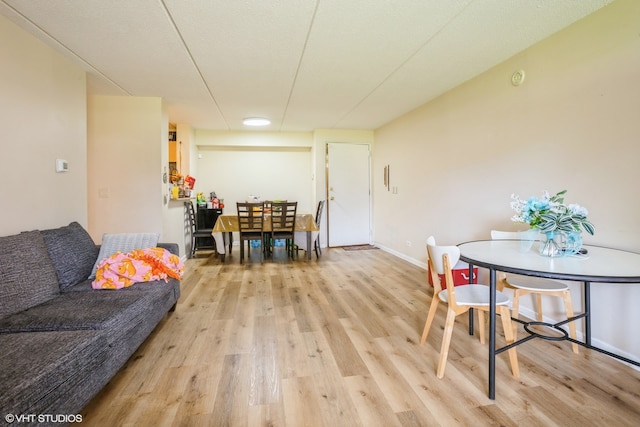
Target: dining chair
point(316, 243)
point(283, 223)
point(195, 231)
point(267, 211)
point(459, 300)
point(525, 285)
point(251, 227)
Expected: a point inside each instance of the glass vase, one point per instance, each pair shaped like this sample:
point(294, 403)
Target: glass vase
point(560, 243)
point(573, 243)
point(552, 244)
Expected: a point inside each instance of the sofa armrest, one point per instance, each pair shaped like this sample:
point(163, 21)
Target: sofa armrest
point(171, 247)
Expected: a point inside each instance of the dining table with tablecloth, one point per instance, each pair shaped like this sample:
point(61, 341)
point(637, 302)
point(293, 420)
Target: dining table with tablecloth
point(306, 231)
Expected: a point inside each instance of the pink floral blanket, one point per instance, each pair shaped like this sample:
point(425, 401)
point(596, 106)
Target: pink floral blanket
point(122, 270)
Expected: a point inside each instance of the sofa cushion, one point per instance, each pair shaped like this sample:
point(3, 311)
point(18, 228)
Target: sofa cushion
point(98, 309)
point(138, 287)
point(123, 242)
point(72, 252)
point(41, 370)
point(27, 276)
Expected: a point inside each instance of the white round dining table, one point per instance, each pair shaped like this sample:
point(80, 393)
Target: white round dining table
point(599, 264)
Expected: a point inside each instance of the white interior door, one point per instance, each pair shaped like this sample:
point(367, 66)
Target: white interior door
point(349, 194)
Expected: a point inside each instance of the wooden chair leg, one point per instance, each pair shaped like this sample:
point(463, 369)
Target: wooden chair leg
point(515, 310)
point(289, 245)
point(433, 308)
point(568, 306)
point(264, 246)
point(481, 323)
point(539, 304)
point(509, 338)
point(446, 341)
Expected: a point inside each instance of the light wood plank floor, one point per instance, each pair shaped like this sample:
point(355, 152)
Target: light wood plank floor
point(335, 342)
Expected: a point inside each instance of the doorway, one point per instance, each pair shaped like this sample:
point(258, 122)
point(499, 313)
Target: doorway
point(348, 194)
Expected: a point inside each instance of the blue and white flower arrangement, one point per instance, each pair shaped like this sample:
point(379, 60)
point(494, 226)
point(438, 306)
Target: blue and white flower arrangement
point(549, 213)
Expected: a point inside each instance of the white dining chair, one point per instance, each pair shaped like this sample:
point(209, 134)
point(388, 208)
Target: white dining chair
point(525, 285)
point(459, 300)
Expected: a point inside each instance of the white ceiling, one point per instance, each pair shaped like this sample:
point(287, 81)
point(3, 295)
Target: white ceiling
point(305, 64)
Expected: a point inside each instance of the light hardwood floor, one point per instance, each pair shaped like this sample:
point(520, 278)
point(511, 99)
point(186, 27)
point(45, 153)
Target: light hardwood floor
point(335, 342)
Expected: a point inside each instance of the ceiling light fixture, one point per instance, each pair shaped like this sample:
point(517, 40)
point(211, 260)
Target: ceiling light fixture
point(256, 121)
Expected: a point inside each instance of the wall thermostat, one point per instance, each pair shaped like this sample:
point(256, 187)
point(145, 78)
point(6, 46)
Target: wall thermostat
point(62, 165)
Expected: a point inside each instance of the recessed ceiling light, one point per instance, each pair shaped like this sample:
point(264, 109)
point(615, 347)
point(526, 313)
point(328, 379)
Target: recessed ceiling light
point(256, 121)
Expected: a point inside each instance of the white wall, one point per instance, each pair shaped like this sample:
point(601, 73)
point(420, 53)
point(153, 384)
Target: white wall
point(43, 112)
point(573, 124)
point(272, 165)
point(125, 144)
point(282, 174)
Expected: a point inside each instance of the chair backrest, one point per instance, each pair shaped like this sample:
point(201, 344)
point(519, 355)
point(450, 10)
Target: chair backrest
point(319, 212)
point(436, 256)
point(441, 258)
point(250, 217)
point(191, 213)
point(283, 217)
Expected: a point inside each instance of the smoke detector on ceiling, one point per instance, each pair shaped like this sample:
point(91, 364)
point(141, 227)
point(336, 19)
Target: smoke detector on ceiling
point(517, 78)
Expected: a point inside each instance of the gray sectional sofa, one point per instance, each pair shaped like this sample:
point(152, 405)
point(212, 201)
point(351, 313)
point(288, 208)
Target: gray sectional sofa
point(60, 340)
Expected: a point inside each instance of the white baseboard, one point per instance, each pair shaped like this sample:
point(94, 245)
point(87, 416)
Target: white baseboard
point(403, 256)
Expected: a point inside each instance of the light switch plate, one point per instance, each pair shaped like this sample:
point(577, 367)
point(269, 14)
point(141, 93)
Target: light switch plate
point(62, 165)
